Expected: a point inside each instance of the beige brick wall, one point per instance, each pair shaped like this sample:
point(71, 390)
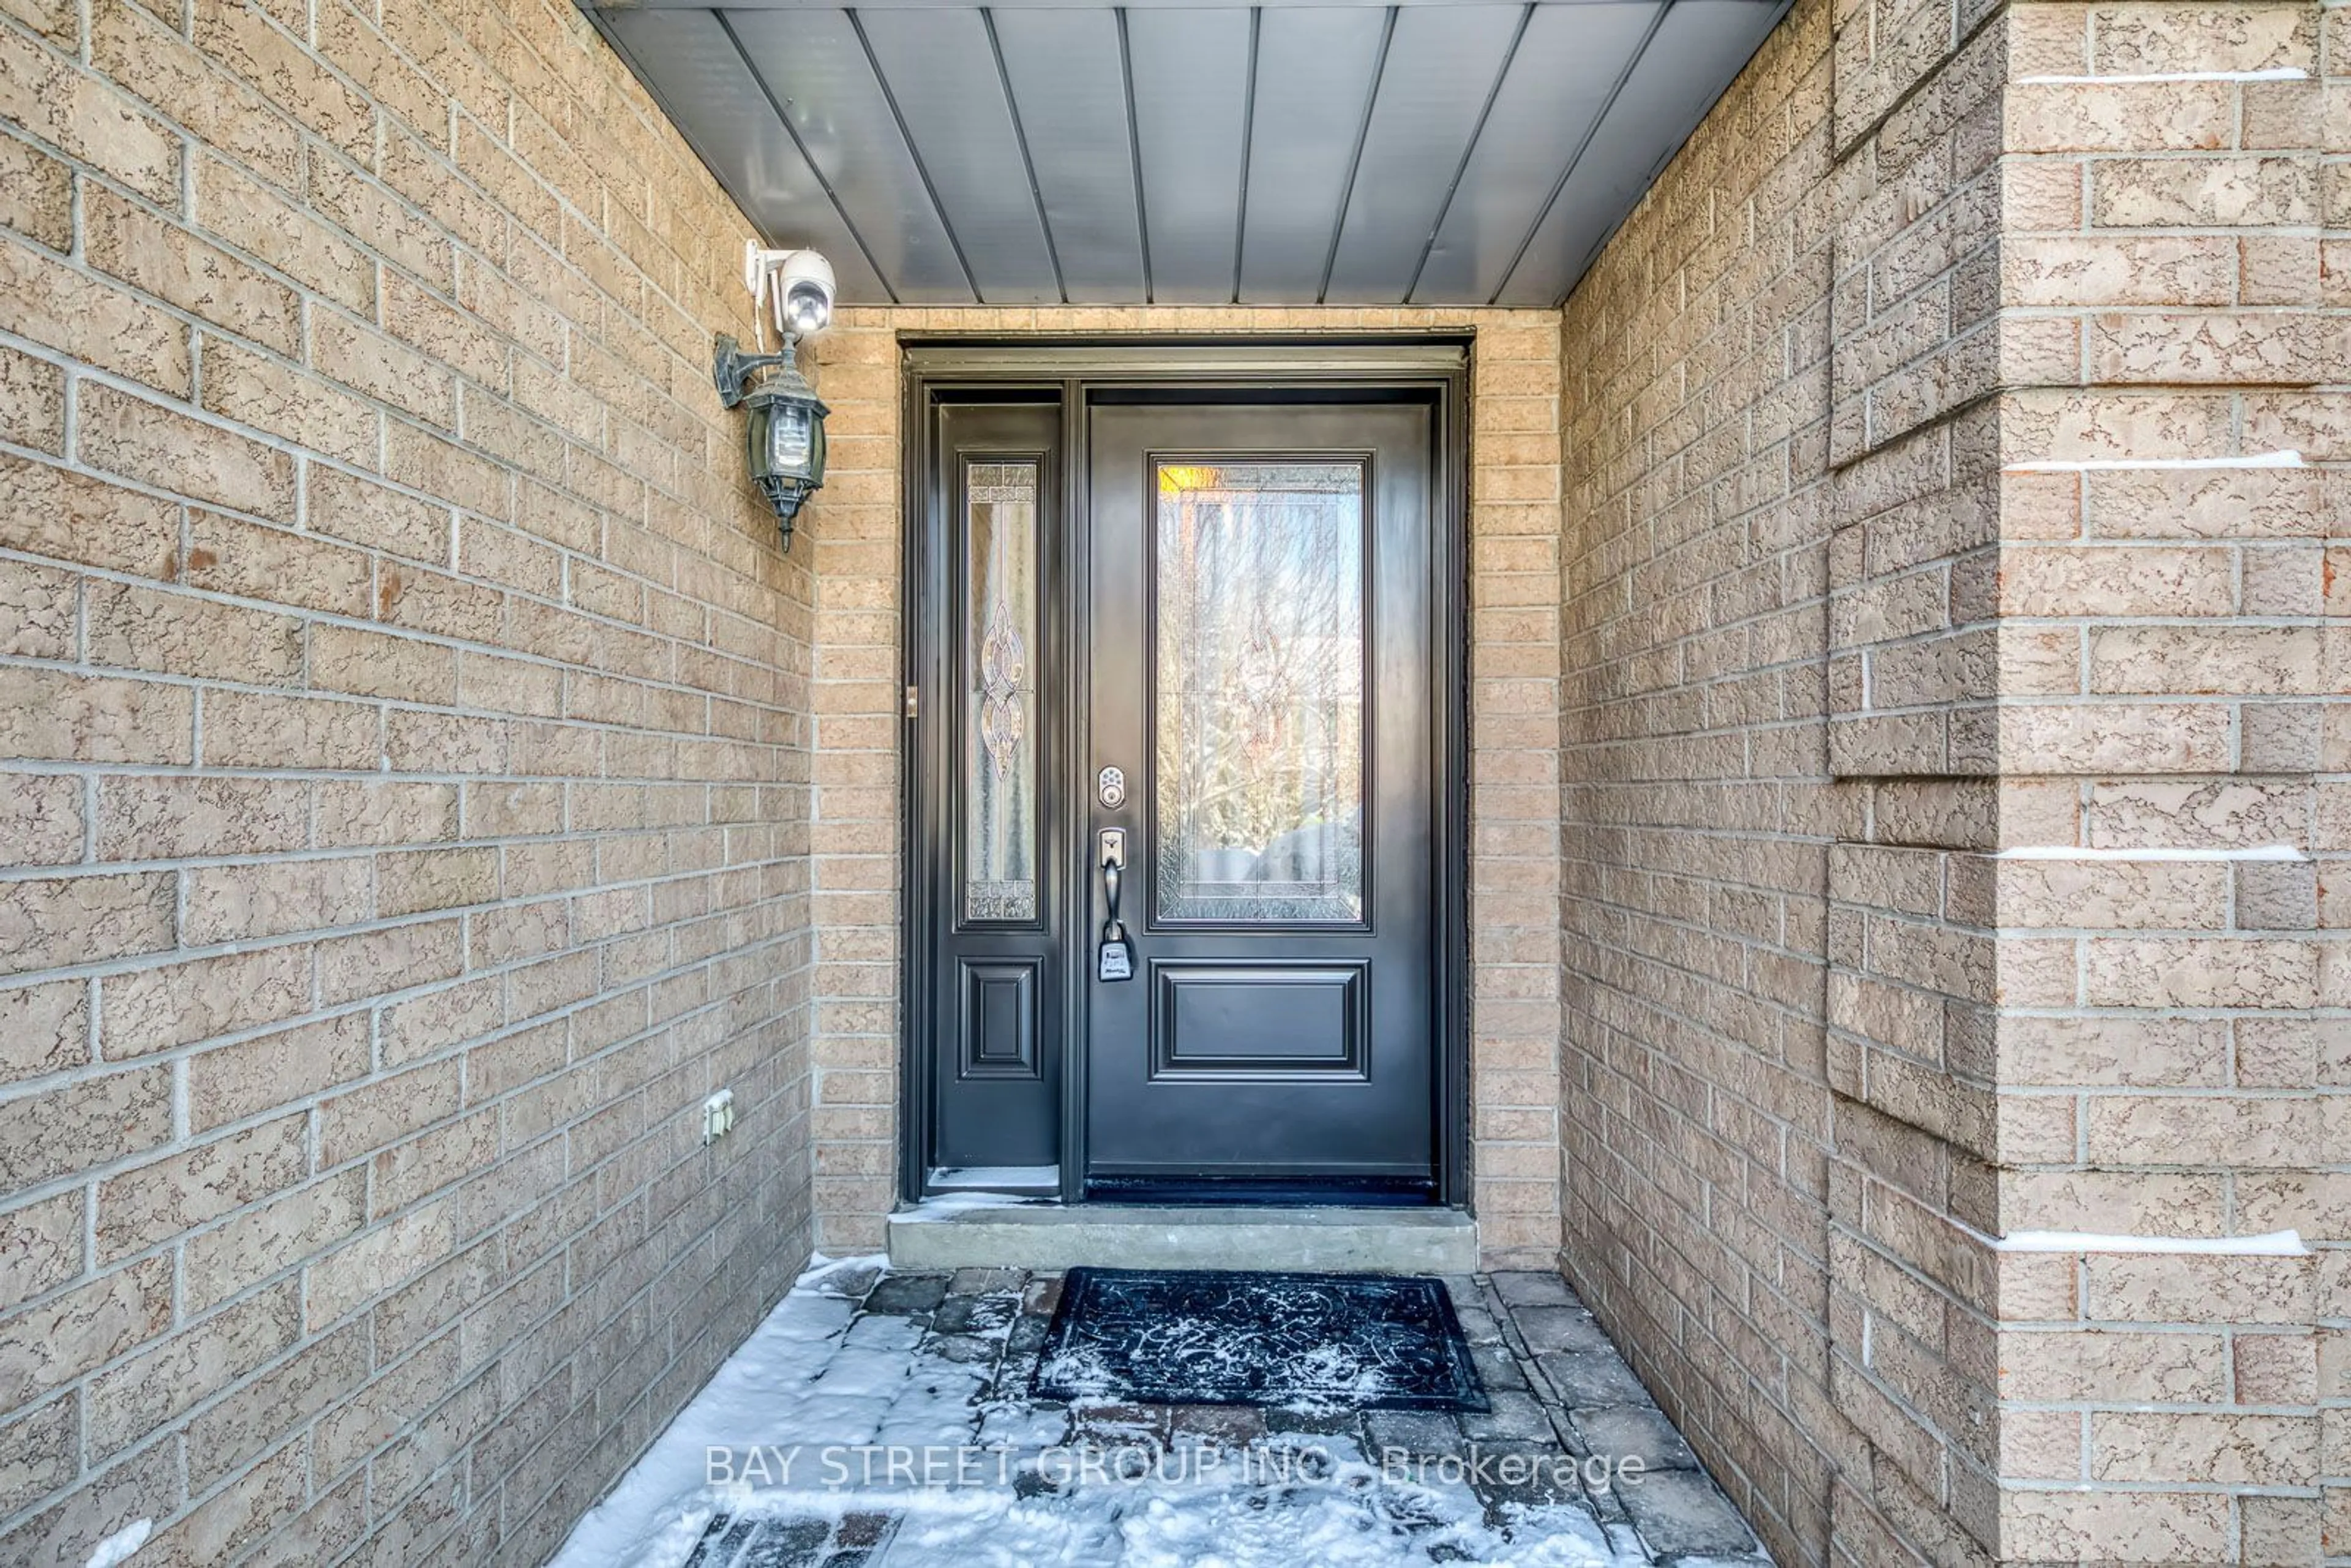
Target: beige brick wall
point(1922, 707)
point(1514, 704)
point(403, 747)
point(1697, 805)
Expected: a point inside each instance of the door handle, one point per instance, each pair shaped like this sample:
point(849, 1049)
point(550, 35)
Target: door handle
point(1114, 954)
point(1113, 869)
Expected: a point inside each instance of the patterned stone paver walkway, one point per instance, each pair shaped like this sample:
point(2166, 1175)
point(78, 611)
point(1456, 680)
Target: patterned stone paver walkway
point(927, 1359)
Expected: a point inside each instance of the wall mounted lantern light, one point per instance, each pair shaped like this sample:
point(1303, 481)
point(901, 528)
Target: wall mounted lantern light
point(785, 427)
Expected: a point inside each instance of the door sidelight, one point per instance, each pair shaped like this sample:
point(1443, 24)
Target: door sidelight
point(1115, 960)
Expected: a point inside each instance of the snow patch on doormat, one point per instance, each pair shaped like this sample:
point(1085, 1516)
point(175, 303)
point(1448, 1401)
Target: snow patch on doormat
point(1333, 1342)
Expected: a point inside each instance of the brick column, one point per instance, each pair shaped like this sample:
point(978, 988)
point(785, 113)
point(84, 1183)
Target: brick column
point(2174, 1062)
point(2092, 343)
point(1514, 732)
point(854, 825)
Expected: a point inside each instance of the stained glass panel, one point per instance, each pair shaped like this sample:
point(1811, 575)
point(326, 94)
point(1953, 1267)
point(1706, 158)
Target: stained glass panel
point(1000, 698)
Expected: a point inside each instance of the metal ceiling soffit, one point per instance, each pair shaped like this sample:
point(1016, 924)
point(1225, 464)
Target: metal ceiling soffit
point(901, 145)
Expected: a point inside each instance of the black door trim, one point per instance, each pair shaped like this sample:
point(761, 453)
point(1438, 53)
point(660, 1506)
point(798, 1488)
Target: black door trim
point(1069, 370)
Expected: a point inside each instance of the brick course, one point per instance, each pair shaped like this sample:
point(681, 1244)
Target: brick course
point(403, 726)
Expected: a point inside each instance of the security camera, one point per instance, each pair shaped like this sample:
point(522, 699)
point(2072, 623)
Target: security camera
point(797, 282)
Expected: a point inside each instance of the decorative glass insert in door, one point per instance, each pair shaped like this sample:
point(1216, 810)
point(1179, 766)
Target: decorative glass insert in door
point(1000, 640)
point(1259, 676)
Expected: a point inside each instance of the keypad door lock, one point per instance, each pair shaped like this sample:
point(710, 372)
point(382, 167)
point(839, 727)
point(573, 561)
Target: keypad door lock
point(1110, 787)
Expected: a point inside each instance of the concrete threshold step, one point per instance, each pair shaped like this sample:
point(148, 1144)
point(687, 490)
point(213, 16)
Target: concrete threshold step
point(1046, 1235)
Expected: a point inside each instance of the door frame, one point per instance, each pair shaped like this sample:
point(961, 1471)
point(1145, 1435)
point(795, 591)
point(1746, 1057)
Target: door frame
point(941, 365)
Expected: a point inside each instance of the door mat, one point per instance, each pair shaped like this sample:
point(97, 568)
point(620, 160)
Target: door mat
point(1352, 1342)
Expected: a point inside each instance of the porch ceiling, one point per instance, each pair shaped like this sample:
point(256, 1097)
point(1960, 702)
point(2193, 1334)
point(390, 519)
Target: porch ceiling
point(1453, 152)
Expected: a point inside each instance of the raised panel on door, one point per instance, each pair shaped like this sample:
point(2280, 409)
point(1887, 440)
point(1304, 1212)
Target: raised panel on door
point(997, 1034)
point(1258, 1021)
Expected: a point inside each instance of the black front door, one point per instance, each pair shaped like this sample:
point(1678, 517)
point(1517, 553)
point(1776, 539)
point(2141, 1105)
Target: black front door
point(1184, 649)
point(1258, 626)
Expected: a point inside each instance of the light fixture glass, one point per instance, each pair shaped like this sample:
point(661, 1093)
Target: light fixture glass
point(791, 438)
point(784, 442)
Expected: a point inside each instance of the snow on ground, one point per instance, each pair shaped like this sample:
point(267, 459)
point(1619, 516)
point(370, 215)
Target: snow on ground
point(1333, 1525)
point(816, 1380)
point(660, 1506)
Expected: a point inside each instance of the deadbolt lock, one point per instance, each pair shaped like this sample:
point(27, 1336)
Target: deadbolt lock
point(1110, 787)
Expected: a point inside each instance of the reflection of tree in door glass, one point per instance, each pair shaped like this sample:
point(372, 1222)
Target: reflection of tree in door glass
point(1260, 679)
